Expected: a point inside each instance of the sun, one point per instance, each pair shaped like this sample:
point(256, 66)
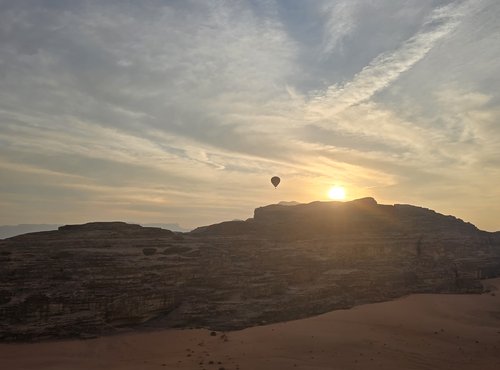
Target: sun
point(336, 193)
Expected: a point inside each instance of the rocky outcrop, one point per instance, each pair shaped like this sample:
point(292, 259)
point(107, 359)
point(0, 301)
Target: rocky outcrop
point(333, 219)
point(286, 262)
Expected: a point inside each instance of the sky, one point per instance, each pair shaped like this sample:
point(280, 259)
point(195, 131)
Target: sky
point(181, 111)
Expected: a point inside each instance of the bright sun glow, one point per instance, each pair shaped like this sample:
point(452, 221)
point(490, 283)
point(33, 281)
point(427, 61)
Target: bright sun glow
point(336, 193)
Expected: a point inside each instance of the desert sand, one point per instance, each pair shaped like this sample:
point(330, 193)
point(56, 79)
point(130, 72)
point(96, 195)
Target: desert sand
point(422, 331)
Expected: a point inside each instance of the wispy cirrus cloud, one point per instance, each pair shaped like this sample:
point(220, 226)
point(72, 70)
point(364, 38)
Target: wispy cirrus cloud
point(387, 66)
point(340, 22)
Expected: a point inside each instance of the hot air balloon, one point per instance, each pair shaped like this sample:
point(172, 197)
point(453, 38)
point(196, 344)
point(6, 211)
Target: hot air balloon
point(275, 181)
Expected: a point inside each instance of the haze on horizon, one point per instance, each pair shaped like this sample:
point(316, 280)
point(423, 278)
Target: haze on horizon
point(181, 111)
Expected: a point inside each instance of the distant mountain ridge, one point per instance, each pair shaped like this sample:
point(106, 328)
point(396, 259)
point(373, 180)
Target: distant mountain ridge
point(288, 203)
point(8, 231)
point(171, 227)
point(286, 262)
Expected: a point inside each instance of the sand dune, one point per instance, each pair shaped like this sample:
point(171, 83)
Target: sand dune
point(426, 331)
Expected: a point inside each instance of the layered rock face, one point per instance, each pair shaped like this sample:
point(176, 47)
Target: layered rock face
point(287, 262)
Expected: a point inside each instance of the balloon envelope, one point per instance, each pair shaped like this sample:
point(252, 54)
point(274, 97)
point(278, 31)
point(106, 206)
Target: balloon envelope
point(275, 181)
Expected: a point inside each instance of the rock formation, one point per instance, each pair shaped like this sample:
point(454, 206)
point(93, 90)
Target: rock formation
point(287, 262)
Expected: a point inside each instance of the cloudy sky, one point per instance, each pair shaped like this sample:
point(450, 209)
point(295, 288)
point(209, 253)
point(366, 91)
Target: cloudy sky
point(181, 111)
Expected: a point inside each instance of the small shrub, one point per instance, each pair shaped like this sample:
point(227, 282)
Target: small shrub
point(5, 296)
point(178, 237)
point(148, 251)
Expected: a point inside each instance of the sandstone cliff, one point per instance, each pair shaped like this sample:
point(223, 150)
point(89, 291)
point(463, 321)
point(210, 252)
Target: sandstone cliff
point(286, 262)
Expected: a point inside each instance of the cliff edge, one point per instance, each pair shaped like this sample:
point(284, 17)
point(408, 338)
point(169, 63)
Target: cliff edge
point(287, 262)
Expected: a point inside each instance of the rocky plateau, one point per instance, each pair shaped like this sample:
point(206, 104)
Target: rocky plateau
point(287, 262)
